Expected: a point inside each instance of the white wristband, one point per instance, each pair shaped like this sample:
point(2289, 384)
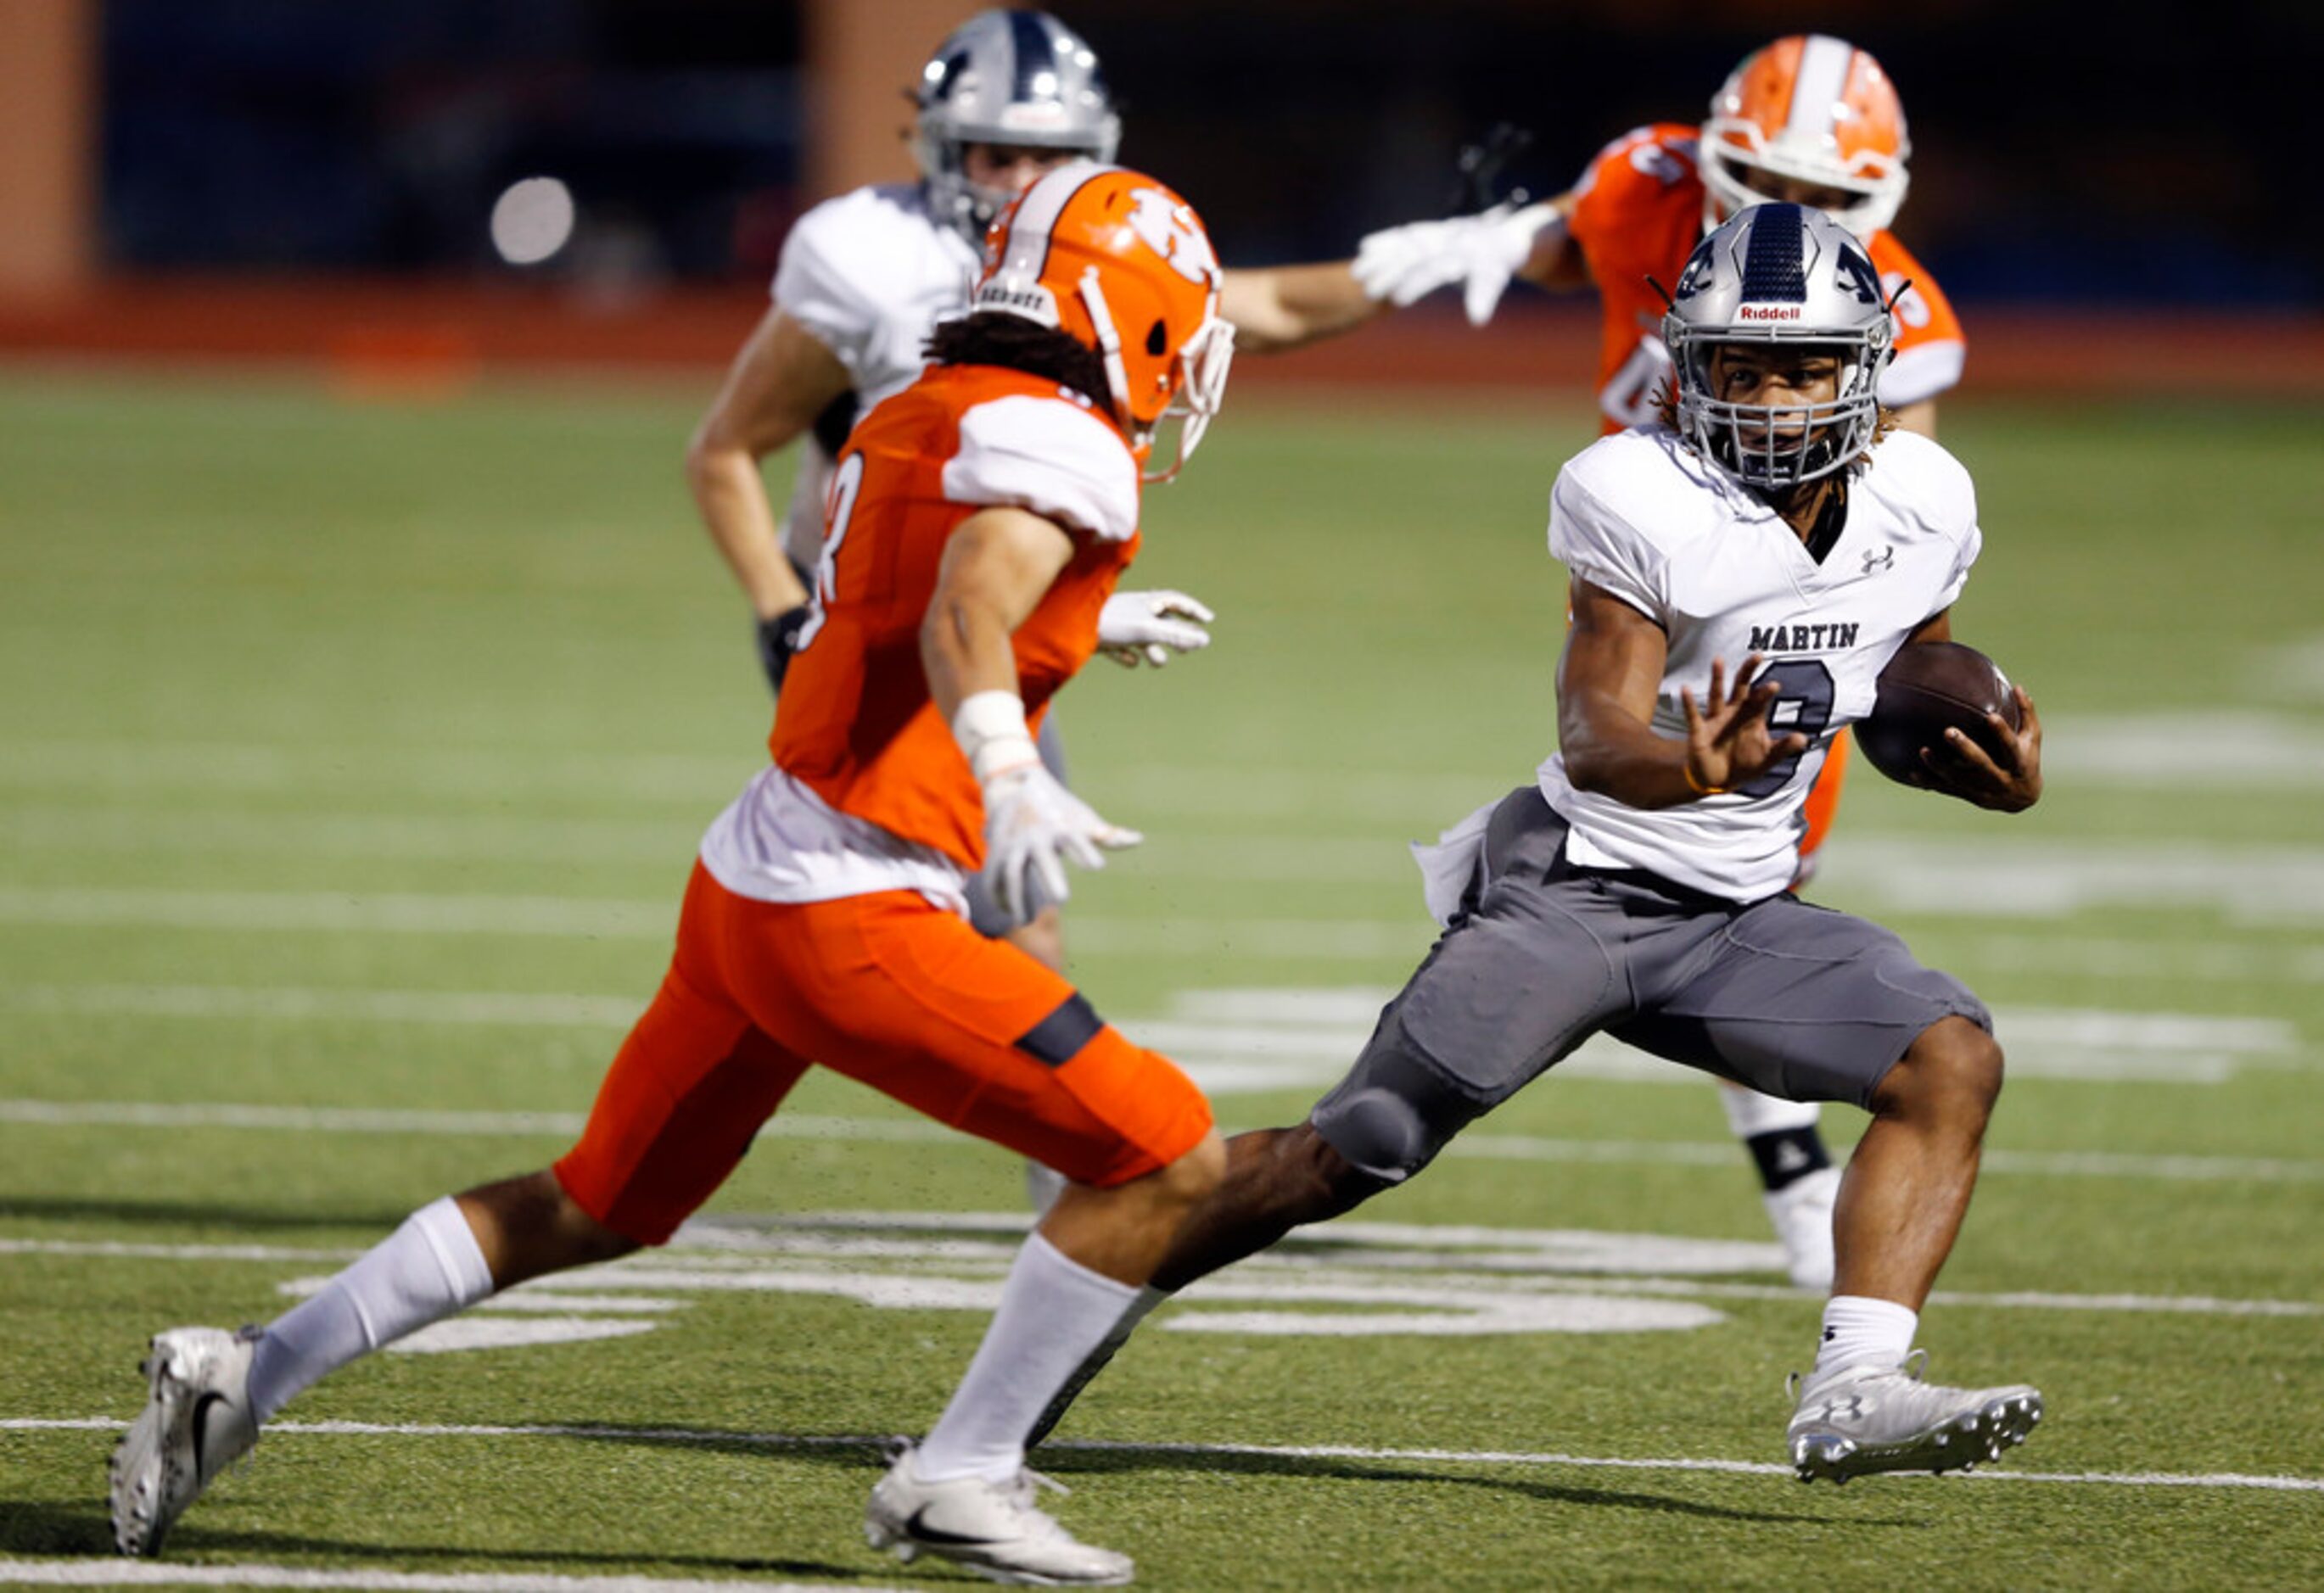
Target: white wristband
point(990, 728)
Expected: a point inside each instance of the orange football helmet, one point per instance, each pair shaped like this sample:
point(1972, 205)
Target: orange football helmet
point(1119, 262)
point(1816, 111)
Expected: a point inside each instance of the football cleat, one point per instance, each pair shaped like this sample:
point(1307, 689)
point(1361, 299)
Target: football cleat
point(993, 1528)
point(1867, 1418)
point(195, 1423)
point(1802, 1213)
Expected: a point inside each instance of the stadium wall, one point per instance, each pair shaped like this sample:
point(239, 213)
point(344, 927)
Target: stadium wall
point(395, 333)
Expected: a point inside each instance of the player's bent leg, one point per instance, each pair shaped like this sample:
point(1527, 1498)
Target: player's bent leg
point(1908, 1184)
point(1123, 1232)
point(909, 999)
point(530, 1226)
point(1276, 1180)
point(690, 1086)
point(1863, 1408)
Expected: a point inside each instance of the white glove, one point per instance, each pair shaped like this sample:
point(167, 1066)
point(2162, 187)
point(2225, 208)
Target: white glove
point(1481, 252)
point(1031, 825)
point(1151, 625)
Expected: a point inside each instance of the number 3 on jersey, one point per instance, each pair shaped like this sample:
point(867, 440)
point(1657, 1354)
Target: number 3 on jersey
point(844, 486)
point(1804, 705)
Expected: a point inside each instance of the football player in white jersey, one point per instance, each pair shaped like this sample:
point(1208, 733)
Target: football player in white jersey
point(861, 281)
point(1740, 575)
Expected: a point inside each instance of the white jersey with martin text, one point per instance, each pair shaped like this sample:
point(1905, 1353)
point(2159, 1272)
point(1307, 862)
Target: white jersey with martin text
point(867, 274)
point(1640, 516)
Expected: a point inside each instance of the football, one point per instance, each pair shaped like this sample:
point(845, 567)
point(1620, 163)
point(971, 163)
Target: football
point(1928, 689)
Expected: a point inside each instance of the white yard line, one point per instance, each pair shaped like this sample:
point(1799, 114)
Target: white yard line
point(138, 771)
point(1515, 1148)
point(461, 1008)
point(301, 1120)
point(1545, 1458)
point(133, 1573)
point(308, 912)
point(1358, 1255)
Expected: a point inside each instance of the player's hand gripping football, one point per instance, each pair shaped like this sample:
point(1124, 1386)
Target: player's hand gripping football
point(1481, 252)
point(2007, 778)
point(1031, 825)
point(1729, 741)
point(1151, 627)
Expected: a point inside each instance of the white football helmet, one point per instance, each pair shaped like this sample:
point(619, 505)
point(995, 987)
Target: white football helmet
point(1780, 274)
point(1014, 77)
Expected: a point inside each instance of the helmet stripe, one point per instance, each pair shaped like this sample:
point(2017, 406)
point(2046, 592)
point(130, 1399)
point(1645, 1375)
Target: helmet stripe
point(1771, 261)
point(1037, 213)
point(1030, 44)
point(1822, 80)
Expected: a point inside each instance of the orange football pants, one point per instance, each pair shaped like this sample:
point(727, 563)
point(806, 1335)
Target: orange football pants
point(1824, 799)
point(892, 991)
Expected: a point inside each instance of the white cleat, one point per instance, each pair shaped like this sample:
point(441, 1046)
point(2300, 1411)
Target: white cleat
point(195, 1424)
point(993, 1528)
point(1868, 1419)
point(1801, 1213)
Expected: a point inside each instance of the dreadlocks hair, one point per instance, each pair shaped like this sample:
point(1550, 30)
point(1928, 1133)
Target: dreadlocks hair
point(996, 338)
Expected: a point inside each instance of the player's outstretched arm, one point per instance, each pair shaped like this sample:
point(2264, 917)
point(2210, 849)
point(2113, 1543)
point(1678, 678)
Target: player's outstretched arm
point(782, 379)
point(996, 568)
point(1282, 307)
point(1606, 683)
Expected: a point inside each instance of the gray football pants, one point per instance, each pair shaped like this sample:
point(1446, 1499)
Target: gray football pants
point(1795, 1000)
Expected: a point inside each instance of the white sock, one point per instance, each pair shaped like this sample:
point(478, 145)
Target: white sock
point(423, 1272)
point(1751, 1114)
point(1054, 1311)
point(1859, 1330)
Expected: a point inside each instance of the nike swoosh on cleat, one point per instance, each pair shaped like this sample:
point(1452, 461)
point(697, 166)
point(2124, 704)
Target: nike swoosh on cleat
point(918, 1529)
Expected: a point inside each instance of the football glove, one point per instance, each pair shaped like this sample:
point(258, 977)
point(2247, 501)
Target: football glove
point(1152, 626)
point(778, 640)
point(1481, 252)
point(1032, 825)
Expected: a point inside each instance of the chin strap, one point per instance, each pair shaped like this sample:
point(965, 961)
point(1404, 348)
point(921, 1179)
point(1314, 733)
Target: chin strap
point(1108, 348)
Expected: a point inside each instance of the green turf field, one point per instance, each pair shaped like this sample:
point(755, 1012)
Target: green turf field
point(352, 758)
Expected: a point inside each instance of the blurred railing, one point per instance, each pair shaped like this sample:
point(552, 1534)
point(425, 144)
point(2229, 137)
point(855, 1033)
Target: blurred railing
point(393, 333)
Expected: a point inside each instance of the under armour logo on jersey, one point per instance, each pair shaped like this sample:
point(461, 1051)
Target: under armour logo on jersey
point(1876, 562)
point(1171, 231)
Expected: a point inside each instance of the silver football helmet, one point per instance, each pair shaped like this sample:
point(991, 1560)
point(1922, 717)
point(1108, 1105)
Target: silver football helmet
point(1019, 77)
point(1780, 274)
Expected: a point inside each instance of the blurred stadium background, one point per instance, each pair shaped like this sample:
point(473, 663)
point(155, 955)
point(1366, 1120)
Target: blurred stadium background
point(269, 177)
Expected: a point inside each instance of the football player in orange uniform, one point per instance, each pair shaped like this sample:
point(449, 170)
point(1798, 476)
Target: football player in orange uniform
point(1807, 120)
point(1007, 96)
point(977, 524)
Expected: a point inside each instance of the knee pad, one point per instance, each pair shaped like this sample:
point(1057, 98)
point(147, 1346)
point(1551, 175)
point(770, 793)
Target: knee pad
point(1377, 1131)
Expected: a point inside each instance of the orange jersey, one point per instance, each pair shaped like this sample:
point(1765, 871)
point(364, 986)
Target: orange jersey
point(856, 724)
point(1638, 213)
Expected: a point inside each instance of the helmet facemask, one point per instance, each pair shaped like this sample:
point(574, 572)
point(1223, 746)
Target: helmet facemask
point(1779, 276)
point(1197, 373)
point(1778, 446)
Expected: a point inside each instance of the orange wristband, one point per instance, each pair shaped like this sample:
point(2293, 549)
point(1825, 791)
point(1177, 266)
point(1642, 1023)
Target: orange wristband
point(1686, 771)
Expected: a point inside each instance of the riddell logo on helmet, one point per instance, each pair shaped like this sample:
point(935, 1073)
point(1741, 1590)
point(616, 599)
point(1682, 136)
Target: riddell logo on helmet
point(1769, 312)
